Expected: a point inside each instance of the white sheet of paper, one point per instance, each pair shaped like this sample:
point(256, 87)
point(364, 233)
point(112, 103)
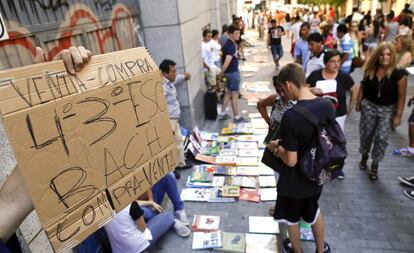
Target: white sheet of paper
point(327, 86)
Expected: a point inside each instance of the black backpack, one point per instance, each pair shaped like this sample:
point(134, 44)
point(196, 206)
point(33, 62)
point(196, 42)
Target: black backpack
point(323, 161)
point(210, 104)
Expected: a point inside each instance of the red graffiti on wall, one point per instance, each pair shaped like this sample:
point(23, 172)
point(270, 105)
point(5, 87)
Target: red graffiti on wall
point(64, 38)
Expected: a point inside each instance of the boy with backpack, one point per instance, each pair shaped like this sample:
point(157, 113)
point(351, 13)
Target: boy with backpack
point(298, 194)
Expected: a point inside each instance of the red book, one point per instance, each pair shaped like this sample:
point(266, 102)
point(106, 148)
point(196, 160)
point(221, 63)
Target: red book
point(250, 194)
point(205, 223)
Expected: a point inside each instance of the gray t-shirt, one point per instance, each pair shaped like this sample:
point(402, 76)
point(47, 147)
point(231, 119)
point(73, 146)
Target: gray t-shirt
point(392, 31)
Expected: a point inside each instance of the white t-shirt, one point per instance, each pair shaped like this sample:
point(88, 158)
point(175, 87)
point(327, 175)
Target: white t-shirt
point(314, 63)
point(216, 48)
point(124, 235)
point(295, 29)
point(207, 53)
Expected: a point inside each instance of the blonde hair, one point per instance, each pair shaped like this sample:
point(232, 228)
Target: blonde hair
point(373, 63)
point(407, 45)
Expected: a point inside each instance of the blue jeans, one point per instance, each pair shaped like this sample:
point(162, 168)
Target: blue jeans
point(277, 51)
point(159, 225)
point(167, 184)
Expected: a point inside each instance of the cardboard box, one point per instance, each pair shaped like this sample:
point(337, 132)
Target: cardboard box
point(81, 140)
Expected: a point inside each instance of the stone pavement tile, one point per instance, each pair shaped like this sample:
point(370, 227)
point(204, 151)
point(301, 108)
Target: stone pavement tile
point(403, 246)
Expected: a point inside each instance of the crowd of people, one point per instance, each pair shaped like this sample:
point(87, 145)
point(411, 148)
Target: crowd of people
point(325, 50)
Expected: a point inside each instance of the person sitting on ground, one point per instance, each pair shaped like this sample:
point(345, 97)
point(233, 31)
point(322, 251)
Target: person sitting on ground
point(131, 231)
point(15, 201)
point(171, 79)
point(166, 185)
point(408, 152)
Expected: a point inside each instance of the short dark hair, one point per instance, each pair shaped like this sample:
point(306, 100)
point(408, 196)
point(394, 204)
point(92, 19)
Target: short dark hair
point(224, 28)
point(390, 15)
point(329, 55)
point(293, 73)
point(315, 37)
point(305, 24)
point(273, 21)
point(206, 32)
point(165, 65)
point(342, 28)
point(233, 28)
point(214, 32)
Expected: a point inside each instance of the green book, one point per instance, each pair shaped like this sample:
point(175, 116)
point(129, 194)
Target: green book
point(233, 242)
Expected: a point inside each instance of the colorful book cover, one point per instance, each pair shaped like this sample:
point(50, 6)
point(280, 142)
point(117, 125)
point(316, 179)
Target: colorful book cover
point(195, 184)
point(252, 195)
point(194, 194)
point(233, 242)
point(205, 223)
point(202, 173)
point(225, 170)
point(216, 196)
point(306, 232)
point(207, 240)
point(230, 191)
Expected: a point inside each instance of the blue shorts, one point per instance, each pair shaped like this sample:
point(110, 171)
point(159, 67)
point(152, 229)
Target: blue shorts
point(233, 81)
point(277, 51)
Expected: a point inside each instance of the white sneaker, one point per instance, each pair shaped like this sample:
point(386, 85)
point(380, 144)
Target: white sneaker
point(182, 216)
point(181, 229)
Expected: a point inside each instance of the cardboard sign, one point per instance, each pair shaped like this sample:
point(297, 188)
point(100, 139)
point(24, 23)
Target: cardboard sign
point(87, 145)
point(3, 31)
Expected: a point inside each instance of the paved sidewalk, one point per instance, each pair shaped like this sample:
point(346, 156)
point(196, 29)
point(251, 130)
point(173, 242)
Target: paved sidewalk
point(361, 216)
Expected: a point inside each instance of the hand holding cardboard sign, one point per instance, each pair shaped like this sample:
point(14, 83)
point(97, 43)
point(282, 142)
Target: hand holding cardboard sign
point(15, 201)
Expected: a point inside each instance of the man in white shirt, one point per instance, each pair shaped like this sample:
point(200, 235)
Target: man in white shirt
point(210, 69)
point(315, 61)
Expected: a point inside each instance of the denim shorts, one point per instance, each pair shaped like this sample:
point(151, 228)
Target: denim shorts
point(277, 51)
point(233, 81)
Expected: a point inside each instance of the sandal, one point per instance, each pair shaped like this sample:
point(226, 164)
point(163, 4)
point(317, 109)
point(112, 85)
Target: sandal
point(373, 174)
point(363, 163)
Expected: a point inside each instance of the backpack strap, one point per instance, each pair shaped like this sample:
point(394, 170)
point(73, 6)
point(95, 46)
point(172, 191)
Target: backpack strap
point(308, 115)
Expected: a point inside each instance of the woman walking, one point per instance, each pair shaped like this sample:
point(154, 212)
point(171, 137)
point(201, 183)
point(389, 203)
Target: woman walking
point(381, 101)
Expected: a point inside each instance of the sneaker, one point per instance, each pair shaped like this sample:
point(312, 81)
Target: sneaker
point(182, 216)
point(407, 180)
point(409, 194)
point(403, 152)
point(222, 116)
point(287, 246)
point(241, 120)
point(181, 229)
point(326, 248)
point(341, 176)
point(177, 174)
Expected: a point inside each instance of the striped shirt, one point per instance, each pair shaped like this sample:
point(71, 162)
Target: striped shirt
point(346, 46)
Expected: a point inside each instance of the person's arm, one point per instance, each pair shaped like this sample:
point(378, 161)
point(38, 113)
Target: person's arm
point(405, 60)
point(268, 38)
point(263, 104)
point(359, 97)
point(353, 98)
point(226, 64)
point(137, 214)
point(344, 57)
point(402, 92)
point(290, 158)
point(15, 201)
